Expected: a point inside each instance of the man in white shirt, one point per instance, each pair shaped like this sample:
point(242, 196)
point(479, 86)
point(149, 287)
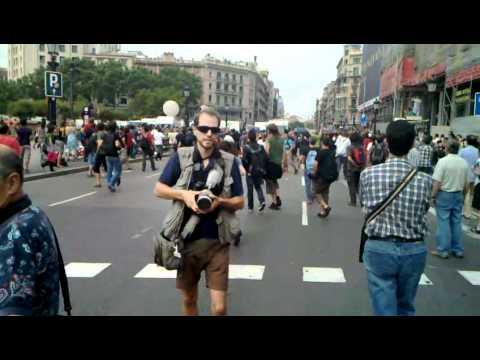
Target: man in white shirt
point(158, 137)
point(342, 143)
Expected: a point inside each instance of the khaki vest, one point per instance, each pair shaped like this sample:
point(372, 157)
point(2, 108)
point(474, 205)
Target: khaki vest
point(228, 222)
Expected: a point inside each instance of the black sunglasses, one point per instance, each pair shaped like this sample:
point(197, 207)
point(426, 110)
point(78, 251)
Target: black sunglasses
point(204, 129)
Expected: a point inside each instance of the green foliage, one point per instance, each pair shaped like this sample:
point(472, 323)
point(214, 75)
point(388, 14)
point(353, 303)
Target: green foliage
point(102, 84)
point(23, 108)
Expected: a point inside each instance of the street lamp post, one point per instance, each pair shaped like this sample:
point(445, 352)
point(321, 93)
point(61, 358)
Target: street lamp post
point(226, 115)
point(432, 88)
point(52, 65)
point(73, 69)
point(376, 106)
point(186, 94)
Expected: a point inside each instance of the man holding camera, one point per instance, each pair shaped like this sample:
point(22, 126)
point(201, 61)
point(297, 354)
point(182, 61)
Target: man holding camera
point(207, 247)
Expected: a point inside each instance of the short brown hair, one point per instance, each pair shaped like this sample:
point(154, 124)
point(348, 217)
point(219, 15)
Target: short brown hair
point(208, 111)
point(273, 129)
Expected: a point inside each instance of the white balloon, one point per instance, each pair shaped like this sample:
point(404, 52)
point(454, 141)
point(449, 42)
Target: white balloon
point(171, 108)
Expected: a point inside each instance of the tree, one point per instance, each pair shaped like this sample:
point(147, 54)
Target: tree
point(22, 108)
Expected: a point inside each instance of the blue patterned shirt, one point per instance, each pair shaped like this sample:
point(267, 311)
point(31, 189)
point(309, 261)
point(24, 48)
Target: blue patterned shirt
point(425, 155)
point(29, 269)
point(406, 216)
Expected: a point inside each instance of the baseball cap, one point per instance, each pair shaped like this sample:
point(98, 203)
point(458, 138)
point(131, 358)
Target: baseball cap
point(229, 139)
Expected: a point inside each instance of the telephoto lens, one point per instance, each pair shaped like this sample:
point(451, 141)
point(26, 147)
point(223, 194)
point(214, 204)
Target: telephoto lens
point(204, 202)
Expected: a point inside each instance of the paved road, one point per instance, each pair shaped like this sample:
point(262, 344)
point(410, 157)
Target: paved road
point(108, 237)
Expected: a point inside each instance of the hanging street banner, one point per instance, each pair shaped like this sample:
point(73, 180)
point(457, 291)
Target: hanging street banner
point(476, 111)
point(53, 84)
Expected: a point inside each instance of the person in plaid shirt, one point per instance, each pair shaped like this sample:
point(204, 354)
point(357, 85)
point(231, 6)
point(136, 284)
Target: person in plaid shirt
point(395, 253)
point(425, 156)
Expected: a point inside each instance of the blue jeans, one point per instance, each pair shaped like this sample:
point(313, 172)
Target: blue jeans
point(449, 208)
point(393, 271)
point(91, 159)
point(257, 182)
point(308, 187)
point(340, 161)
point(114, 170)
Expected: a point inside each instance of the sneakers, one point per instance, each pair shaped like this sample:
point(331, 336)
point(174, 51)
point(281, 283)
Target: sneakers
point(118, 182)
point(274, 207)
point(458, 255)
point(279, 201)
point(438, 254)
point(111, 188)
point(262, 207)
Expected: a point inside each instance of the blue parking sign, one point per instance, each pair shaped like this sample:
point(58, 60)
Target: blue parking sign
point(476, 110)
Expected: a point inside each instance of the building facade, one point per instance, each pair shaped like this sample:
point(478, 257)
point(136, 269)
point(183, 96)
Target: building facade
point(347, 84)
point(237, 90)
point(24, 59)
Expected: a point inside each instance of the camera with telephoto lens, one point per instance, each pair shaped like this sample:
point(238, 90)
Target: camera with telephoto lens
point(204, 199)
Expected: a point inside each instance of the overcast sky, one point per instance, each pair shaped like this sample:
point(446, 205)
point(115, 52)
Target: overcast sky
point(299, 71)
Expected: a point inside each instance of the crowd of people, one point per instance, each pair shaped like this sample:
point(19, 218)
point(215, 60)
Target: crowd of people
point(395, 177)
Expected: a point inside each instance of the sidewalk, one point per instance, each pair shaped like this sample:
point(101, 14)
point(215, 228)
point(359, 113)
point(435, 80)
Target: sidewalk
point(36, 171)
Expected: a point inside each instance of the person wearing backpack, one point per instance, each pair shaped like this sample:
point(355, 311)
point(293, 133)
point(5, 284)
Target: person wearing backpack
point(378, 153)
point(308, 157)
point(254, 161)
point(356, 162)
point(147, 145)
point(326, 172)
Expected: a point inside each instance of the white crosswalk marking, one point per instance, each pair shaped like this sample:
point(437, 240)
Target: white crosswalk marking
point(424, 280)
point(473, 277)
point(303, 180)
point(72, 199)
point(328, 275)
point(247, 272)
point(153, 271)
point(235, 272)
point(85, 270)
point(304, 214)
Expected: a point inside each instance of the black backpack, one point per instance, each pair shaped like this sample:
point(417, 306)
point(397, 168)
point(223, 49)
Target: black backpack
point(258, 161)
point(108, 145)
point(378, 154)
point(328, 168)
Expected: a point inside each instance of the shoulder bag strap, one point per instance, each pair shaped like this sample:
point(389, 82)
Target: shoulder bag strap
point(392, 196)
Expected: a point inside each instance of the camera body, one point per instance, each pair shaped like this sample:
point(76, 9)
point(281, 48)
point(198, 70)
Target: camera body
point(209, 188)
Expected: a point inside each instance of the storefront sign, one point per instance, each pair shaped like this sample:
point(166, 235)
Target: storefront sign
point(476, 111)
point(462, 95)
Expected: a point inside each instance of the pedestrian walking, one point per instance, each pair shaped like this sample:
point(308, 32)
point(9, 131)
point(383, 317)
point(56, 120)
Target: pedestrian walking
point(274, 147)
point(450, 184)
point(356, 162)
point(30, 259)
point(112, 144)
point(290, 150)
point(425, 155)
point(24, 136)
point(129, 141)
point(100, 159)
point(255, 162)
point(308, 156)
point(206, 247)
point(395, 253)
point(325, 173)
point(342, 143)
point(148, 148)
point(470, 154)
point(158, 137)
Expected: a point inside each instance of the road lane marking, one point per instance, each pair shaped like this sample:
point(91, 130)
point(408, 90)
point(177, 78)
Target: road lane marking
point(85, 270)
point(473, 277)
point(246, 272)
point(424, 280)
point(153, 271)
point(146, 229)
point(72, 199)
point(127, 171)
point(328, 275)
point(136, 236)
point(304, 214)
point(235, 272)
point(153, 175)
point(303, 180)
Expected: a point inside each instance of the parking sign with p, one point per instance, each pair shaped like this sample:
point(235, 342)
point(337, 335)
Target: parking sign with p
point(53, 84)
